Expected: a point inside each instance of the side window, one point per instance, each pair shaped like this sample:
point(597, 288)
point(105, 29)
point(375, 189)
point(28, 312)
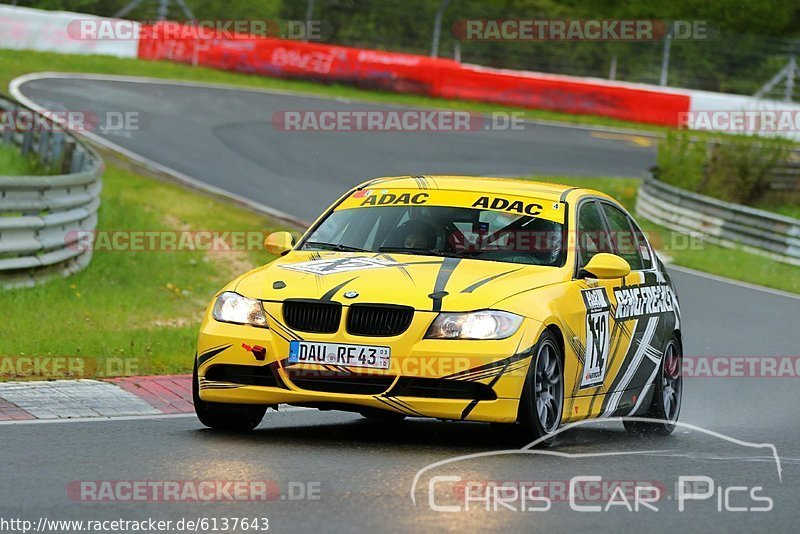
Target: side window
point(644, 246)
point(623, 238)
point(592, 237)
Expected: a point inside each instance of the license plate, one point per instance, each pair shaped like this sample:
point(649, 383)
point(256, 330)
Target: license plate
point(370, 356)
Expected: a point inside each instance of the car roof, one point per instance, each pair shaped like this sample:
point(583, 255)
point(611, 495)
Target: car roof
point(483, 184)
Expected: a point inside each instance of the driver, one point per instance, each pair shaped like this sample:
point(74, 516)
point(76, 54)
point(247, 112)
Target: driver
point(416, 235)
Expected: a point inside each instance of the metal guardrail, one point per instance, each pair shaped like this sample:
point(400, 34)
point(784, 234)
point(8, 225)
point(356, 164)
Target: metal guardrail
point(786, 177)
point(720, 222)
point(42, 217)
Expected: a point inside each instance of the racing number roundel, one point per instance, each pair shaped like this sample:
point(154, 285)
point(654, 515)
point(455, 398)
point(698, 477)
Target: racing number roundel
point(597, 337)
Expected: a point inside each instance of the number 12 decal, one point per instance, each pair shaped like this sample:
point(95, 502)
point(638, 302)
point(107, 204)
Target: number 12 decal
point(597, 337)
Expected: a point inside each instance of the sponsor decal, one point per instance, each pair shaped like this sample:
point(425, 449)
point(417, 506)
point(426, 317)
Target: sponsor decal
point(643, 300)
point(391, 199)
point(503, 204)
point(597, 337)
point(426, 194)
point(339, 265)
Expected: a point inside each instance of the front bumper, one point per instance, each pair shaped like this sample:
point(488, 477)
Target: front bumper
point(446, 379)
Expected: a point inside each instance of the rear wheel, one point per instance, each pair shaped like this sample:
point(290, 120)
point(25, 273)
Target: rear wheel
point(542, 399)
point(223, 416)
point(667, 394)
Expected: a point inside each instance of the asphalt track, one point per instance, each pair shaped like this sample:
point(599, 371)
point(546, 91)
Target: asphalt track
point(364, 469)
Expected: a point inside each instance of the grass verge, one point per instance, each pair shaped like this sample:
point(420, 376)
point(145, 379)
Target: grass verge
point(12, 163)
point(728, 262)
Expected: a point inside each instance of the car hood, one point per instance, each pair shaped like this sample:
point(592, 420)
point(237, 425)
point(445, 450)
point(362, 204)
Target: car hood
point(423, 282)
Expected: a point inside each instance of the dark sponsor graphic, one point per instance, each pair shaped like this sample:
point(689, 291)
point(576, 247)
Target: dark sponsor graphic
point(499, 203)
point(339, 265)
point(388, 199)
point(643, 300)
point(597, 337)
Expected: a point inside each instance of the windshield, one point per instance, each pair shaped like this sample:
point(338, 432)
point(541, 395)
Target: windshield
point(441, 231)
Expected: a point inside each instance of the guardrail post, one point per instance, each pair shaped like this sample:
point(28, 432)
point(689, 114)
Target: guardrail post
point(43, 146)
point(68, 151)
point(77, 160)
point(27, 142)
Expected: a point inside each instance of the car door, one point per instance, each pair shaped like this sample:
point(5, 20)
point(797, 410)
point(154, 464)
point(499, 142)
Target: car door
point(605, 342)
point(643, 306)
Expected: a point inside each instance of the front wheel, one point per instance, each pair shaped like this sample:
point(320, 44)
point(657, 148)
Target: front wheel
point(223, 416)
point(667, 394)
point(542, 400)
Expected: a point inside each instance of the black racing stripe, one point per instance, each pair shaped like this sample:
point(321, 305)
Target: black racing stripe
point(392, 402)
point(209, 354)
point(565, 193)
point(471, 406)
point(472, 287)
point(650, 278)
point(468, 410)
point(445, 272)
point(494, 372)
point(492, 365)
point(399, 265)
point(402, 403)
point(289, 334)
point(331, 292)
point(600, 394)
point(637, 337)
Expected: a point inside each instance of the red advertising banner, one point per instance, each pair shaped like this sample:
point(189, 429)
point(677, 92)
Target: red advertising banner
point(408, 73)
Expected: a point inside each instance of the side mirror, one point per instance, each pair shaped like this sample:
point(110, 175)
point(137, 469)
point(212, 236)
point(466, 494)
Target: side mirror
point(279, 243)
point(607, 266)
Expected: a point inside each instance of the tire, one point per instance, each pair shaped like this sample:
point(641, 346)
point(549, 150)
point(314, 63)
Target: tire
point(375, 414)
point(667, 394)
point(542, 401)
point(223, 416)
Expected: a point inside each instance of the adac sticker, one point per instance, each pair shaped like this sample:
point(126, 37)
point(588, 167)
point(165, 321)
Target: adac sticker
point(339, 265)
point(511, 204)
point(597, 337)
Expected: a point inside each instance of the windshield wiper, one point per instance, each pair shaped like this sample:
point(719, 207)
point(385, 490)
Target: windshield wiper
point(424, 252)
point(333, 246)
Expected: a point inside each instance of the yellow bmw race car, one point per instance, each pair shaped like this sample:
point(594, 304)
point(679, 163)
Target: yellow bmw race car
point(519, 303)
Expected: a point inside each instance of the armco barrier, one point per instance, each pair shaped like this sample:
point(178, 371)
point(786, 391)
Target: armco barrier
point(720, 222)
point(42, 217)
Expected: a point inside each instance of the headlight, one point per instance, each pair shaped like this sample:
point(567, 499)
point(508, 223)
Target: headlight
point(233, 308)
point(486, 324)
